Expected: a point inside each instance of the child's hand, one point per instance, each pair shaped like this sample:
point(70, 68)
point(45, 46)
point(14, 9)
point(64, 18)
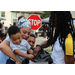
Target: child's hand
point(30, 56)
point(18, 62)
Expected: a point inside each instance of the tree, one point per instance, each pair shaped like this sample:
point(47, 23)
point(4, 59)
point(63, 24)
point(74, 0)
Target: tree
point(45, 14)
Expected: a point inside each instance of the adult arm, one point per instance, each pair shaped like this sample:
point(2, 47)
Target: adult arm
point(2, 29)
point(69, 50)
point(43, 45)
point(4, 47)
point(69, 59)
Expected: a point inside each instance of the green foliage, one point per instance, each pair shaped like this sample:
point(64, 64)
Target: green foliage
point(49, 51)
point(45, 14)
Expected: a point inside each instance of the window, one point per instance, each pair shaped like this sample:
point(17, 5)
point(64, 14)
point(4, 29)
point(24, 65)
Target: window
point(14, 17)
point(15, 20)
point(22, 14)
point(2, 14)
point(28, 15)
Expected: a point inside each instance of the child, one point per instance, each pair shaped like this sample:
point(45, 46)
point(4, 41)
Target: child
point(18, 45)
point(31, 40)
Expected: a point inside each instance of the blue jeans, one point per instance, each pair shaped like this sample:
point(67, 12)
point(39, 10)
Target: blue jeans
point(10, 61)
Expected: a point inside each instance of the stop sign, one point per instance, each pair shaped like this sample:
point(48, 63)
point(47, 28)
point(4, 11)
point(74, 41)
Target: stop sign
point(35, 21)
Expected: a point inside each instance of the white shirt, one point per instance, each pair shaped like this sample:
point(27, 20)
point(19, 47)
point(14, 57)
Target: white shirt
point(58, 53)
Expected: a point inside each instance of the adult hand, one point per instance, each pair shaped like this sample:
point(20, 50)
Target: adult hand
point(37, 50)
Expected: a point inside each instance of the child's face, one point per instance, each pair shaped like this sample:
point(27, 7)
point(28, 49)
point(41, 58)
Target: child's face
point(16, 38)
point(31, 41)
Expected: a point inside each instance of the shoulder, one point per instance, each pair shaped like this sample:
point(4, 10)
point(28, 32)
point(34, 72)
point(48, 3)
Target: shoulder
point(23, 40)
point(8, 39)
point(69, 45)
point(69, 39)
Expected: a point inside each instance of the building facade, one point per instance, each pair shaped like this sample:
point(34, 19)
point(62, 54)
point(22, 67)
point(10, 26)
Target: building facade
point(73, 13)
point(12, 16)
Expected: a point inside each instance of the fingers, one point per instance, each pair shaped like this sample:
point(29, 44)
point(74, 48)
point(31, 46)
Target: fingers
point(35, 52)
point(31, 56)
point(37, 49)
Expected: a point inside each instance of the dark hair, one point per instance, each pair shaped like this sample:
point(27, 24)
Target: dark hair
point(32, 35)
point(2, 22)
point(74, 34)
point(14, 23)
point(64, 18)
point(20, 17)
point(13, 30)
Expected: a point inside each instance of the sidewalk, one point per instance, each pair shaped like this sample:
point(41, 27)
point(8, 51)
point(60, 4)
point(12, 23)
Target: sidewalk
point(40, 40)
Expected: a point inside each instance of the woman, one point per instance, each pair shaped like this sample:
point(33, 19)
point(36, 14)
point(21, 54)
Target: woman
point(25, 29)
point(61, 22)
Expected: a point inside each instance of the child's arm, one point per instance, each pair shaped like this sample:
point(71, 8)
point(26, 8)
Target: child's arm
point(30, 56)
point(20, 53)
point(30, 51)
point(4, 47)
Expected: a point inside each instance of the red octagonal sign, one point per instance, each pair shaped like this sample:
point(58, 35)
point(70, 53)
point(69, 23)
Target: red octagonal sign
point(35, 21)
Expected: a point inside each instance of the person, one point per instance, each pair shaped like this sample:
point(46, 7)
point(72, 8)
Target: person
point(4, 36)
point(6, 30)
point(36, 33)
point(31, 40)
point(2, 31)
point(44, 30)
point(14, 23)
point(3, 58)
point(39, 58)
point(63, 52)
point(18, 45)
point(25, 29)
point(0, 28)
point(10, 24)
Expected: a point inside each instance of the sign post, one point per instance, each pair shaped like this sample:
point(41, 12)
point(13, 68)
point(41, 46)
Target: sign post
point(35, 21)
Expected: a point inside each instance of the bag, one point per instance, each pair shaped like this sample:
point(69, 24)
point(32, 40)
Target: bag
point(41, 57)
